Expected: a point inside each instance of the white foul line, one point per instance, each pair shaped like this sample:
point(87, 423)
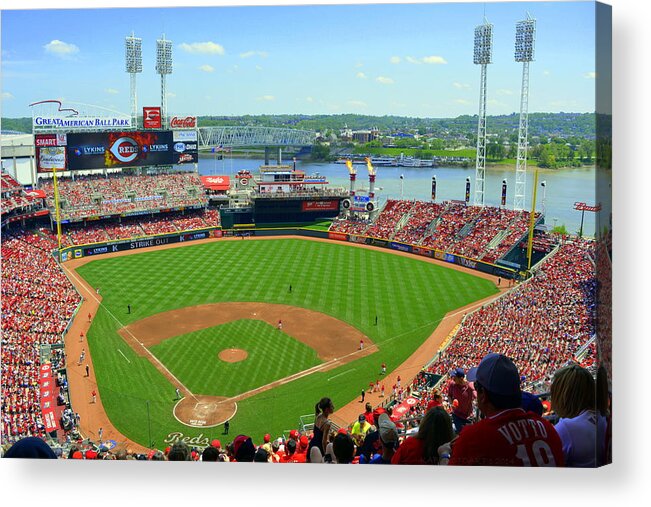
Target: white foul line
point(340, 374)
point(124, 356)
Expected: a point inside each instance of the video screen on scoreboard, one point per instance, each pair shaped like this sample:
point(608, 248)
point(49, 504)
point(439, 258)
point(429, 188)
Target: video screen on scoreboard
point(110, 150)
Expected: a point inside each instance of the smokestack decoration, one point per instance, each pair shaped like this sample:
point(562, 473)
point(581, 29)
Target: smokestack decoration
point(371, 178)
point(353, 176)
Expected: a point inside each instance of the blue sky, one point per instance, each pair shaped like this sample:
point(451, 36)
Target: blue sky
point(402, 59)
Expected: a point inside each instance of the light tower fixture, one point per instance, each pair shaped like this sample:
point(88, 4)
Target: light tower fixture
point(133, 60)
point(163, 67)
point(525, 38)
point(483, 55)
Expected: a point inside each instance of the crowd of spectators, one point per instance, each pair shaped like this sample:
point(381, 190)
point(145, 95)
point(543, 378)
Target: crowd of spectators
point(541, 324)
point(115, 193)
point(14, 197)
point(386, 222)
point(37, 303)
point(572, 428)
point(350, 225)
point(134, 227)
point(453, 227)
point(421, 216)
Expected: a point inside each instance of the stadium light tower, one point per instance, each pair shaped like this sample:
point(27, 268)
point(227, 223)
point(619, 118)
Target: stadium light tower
point(525, 37)
point(483, 55)
point(133, 54)
point(163, 67)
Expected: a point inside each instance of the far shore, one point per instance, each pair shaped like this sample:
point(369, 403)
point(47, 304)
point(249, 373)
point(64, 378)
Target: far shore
point(288, 160)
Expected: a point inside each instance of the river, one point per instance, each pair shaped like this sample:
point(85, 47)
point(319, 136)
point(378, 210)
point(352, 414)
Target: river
point(563, 187)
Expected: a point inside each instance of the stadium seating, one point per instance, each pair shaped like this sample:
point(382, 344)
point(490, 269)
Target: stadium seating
point(37, 303)
point(540, 324)
point(99, 195)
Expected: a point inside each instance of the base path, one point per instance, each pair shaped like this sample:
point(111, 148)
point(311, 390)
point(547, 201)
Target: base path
point(330, 337)
point(93, 415)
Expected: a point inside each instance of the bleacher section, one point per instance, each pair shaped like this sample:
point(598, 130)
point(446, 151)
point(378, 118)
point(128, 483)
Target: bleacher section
point(99, 195)
point(483, 233)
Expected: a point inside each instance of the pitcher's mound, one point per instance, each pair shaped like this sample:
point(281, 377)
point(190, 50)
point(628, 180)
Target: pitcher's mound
point(233, 355)
point(204, 411)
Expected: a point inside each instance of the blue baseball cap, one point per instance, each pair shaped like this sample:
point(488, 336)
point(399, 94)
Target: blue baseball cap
point(458, 372)
point(531, 403)
point(497, 374)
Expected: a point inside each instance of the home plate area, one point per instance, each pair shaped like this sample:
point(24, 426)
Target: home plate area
point(204, 411)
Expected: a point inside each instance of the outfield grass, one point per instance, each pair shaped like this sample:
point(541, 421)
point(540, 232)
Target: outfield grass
point(352, 284)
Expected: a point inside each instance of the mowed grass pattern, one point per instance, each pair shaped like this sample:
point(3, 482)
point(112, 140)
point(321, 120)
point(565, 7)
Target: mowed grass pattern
point(272, 355)
point(409, 296)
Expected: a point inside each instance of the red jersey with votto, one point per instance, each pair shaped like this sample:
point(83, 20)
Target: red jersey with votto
point(512, 437)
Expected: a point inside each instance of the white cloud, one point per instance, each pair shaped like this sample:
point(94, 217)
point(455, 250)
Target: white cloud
point(434, 60)
point(359, 65)
point(463, 102)
point(546, 73)
point(384, 80)
point(504, 91)
point(361, 75)
point(258, 68)
point(61, 49)
point(207, 68)
point(309, 99)
point(590, 75)
point(266, 98)
point(249, 54)
point(171, 95)
point(111, 91)
point(7, 96)
point(494, 102)
point(413, 60)
point(394, 59)
point(460, 86)
point(206, 48)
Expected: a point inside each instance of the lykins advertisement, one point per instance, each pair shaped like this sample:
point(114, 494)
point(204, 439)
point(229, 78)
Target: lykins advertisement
point(123, 149)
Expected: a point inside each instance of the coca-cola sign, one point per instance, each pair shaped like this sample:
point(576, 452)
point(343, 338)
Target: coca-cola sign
point(187, 122)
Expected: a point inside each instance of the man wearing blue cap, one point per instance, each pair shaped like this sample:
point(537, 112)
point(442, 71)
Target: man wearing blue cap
point(461, 396)
point(508, 435)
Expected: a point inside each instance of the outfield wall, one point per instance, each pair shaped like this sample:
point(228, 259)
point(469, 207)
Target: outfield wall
point(93, 249)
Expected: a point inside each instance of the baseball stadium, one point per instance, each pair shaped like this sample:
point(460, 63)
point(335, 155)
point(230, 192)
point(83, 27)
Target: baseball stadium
point(152, 311)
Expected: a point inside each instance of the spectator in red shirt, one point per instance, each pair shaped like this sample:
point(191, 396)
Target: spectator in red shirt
point(507, 436)
point(291, 456)
point(459, 389)
point(422, 449)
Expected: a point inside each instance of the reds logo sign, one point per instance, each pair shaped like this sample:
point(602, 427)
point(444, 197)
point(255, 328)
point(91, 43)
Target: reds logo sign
point(151, 117)
point(125, 149)
point(189, 122)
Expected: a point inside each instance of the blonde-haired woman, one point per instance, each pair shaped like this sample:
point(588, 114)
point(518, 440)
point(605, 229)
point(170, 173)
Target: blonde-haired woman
point(581, 427)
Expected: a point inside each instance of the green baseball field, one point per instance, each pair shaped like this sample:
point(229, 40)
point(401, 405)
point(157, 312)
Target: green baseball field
point(350, 284)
